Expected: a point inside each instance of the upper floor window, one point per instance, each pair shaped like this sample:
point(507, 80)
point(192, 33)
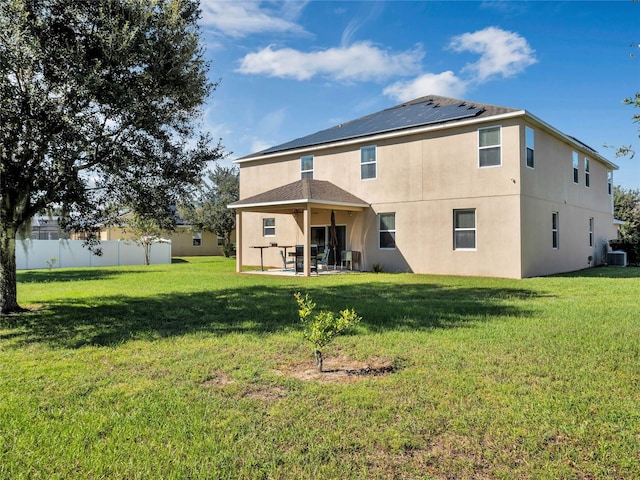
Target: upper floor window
point(269, 227)
point(306, 166)
point(489, 142)
point(591, 231)
point(609, 182)
point(530, 141)
point(387, 230)
point(464, 229)
point(555, 230)
point(586, 172)
point(368, 162)
point(575, 167)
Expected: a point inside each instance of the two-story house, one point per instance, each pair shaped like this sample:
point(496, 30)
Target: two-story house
point(435, 185)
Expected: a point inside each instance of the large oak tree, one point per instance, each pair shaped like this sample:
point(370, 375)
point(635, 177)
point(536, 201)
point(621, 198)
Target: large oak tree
point(99, 101)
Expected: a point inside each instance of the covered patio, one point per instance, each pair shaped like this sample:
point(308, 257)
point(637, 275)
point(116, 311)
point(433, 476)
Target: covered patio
point(281, 272)
point(299, 199)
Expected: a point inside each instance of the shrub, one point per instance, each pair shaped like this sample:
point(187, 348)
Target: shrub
point(321, 328)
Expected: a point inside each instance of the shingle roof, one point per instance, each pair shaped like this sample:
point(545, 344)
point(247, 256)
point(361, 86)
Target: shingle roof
point(422, 111)
point(303, 191)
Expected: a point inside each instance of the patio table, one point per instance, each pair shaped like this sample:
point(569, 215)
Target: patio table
point(261, 247)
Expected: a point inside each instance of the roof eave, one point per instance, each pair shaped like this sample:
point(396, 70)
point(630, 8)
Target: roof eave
point(570, 140)
point(302, 201)
point(379, 136)
point(429, 128)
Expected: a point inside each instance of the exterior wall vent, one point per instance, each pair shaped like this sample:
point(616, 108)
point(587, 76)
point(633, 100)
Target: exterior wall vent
point(617, 258)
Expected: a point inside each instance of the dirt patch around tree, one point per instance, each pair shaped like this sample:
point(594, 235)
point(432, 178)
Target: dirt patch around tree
point(338, 370)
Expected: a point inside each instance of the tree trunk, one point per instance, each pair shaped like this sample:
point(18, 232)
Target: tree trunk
point(319, 360)
point(147, 253)
point(8, 277)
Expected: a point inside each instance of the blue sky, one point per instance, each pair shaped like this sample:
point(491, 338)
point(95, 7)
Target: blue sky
point(288, 69)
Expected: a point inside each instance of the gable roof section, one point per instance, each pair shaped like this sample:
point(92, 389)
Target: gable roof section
point(301, 192)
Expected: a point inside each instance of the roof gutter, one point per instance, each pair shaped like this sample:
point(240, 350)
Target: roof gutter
point(237, 205)
point(376, 137)
point(425, 129)
point(569, 140)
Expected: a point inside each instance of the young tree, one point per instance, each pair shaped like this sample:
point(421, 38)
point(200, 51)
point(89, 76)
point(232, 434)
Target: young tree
point(208, 210)
point(319, 329)
point(98, 105)
point(144, 232)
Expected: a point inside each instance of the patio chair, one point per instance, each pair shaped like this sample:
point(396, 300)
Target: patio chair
point(285, 262)
point(324, 259)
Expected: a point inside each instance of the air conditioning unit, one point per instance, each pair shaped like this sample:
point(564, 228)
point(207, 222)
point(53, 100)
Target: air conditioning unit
point(617, 258)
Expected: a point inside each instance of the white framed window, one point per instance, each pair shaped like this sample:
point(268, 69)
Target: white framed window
point(586, 173)
point(464, 229)
point(490, 147)
point(555, 231)
point(575, 166)
point(269, 227)
point(220, 241)
point(609, 182)
point(530, 147)
point(306, 166)
point(368, 163)
point(387, 231)
point(196, 239)
point(591, 231)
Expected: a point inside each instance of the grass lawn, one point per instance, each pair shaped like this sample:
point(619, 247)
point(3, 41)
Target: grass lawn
point(187, 371)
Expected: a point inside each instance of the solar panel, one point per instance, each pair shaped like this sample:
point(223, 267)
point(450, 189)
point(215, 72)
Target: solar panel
point(396, 118)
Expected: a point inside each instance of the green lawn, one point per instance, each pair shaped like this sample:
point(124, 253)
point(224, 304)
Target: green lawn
point(182, 371)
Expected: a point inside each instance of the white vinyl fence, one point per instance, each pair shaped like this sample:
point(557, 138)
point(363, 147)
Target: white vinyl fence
point(34, 254)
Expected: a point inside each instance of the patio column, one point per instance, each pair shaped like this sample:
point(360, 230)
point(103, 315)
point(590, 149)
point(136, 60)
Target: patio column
point(306, 236)
point(238, 241)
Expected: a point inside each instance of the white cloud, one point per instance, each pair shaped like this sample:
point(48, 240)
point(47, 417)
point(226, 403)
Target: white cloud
point(258, 144)
point(239, 19)
point(446, 84)
point(272, 122)
point(359, 61)
point(502, 53)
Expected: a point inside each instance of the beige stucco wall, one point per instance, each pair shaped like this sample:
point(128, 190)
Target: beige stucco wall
point(548, 188)
point(425, 177)
point(182, 244)
point(181, 241)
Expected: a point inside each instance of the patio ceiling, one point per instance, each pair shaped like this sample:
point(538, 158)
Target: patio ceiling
point(301, 195)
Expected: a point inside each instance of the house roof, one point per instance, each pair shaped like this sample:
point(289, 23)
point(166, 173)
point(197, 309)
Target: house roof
point(302, 192)
point(428, 110)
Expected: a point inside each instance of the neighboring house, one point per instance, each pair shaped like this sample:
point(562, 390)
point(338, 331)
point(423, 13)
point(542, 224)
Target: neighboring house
point(435, 185)
point(184, 241)
point(45, 227)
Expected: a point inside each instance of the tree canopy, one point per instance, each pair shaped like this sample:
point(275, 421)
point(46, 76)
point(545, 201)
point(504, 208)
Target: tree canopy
point(99, 109)
point(208, 211)
point(626, 206)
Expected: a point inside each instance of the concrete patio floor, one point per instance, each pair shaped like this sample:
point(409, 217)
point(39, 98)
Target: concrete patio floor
point(292, 273)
